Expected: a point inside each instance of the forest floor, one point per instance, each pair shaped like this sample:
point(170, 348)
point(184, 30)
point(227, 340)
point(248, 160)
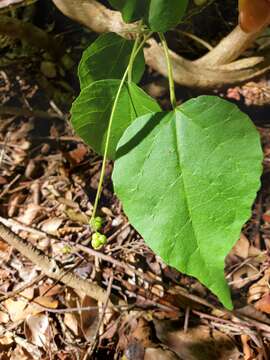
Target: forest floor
point(48, 181)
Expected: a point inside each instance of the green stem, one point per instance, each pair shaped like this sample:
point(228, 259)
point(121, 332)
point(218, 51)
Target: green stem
point(107, 144)
point(132, 58)
point(128, 73)
point(170, 71)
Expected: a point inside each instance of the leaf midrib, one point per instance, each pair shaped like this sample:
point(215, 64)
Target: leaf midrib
point(178, 118)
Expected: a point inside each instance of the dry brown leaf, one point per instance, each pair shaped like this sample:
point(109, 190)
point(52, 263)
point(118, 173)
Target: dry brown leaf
point(51, 226)
point(36, 329)
point(4, 318)
point(89, 318)
point(71, 321)
point(134, 351)
point(241, 247)
point(50, 289)
point(142, 333)
point(16, 308)
point(27, 293)
point(160, 354)
point(14, 201)
point(6, 339)
point(77, 155)
point(47, 302)
point(248, 353)
point(264, 304)
point(3, 180)
point(31, 212)
point(266, 216)
point(19, 309)
point(260, 288)
point(251, 312)
point(198, 343)
point(5, 251)
point(77, 216)
point(19, 353)
point(30, 350)
point(244, 275)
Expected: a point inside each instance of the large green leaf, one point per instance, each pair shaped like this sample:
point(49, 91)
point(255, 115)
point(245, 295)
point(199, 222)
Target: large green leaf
point(160, 15)
point(187, 180)
point(107, 58)
point(131, 10)
point(92, 109)
point(164, 15)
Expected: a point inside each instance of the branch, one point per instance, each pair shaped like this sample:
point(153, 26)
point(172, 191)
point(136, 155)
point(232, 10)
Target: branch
point(213, 70)
point(49, 266)
point(95, 16)
point(228, 49)
point(190, 74)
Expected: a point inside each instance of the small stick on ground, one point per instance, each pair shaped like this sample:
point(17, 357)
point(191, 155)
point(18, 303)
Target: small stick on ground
point(50, 268)
point(13, 293)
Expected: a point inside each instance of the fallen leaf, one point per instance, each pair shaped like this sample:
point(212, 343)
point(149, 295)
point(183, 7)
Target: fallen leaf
point(3, 180)
point(6, 339)
point(77, 216)
point(260, 288)
point(244, 275)
point(51, 226)
point(50, 289)
point(5, 251)
point(248, 353)
point(47, 302)
point(77, 155)
point(241, 247)
point(266, 216)
point(29, 215)
point(16, 308)
point(160, 354)
point(89, 318)
point(263, 304)
point(71, 321)
point(134, 351)
point(36, 329)
point(143, 332)
point(19, 353)
point(4, 318)
point(198, 343)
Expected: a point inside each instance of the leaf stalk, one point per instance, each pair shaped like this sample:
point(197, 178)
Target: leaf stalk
point(170, 70)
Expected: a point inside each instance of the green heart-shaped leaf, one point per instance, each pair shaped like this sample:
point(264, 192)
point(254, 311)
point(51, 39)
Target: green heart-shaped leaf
point(187, 180)
point(131, 10)
point(160, 15)
point(92, 109)
point(108, 58)
point(164, 15)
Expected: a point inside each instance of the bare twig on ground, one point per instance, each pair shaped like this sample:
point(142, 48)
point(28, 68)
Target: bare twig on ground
point(13, 293)
point(49, 267)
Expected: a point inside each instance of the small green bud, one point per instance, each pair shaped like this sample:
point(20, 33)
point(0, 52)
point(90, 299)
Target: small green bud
point(96, 223)
point(98, 240)
point(66, 249)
